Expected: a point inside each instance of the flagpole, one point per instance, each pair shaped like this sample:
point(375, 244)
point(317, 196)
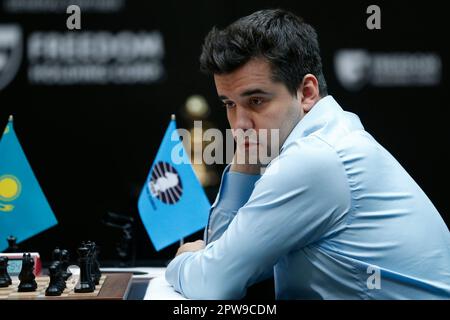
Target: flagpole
point(173, 118)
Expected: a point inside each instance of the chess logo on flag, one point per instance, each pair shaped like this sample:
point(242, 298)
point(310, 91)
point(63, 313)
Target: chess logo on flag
point(172, 204)
point(165, 183)
point(10, 189)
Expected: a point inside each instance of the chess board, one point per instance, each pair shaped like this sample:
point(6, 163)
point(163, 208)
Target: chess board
point(112, 286)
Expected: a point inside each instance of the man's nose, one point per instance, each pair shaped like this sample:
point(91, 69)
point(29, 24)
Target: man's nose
point(243, 119)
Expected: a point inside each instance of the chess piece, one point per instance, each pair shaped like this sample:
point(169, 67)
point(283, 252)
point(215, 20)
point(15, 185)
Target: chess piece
point(126, 248)
point(59, 275)
point(62, 256)
point(125, 245)
point(65, 264)
point(53, 288)
point(57, 283)
point(90, 255)
point(12, 245)
point(94, 264)
point(85, 284)
point(56, 254)
point(5, 279)
point(26, 276)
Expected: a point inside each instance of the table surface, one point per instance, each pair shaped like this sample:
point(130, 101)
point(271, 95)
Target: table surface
point(151, 280)
point(159, 289)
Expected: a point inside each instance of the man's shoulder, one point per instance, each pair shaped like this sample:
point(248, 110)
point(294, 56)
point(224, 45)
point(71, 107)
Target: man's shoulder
point(314, 147)
point(306, 157)
point(310, 167)
point(333, 141)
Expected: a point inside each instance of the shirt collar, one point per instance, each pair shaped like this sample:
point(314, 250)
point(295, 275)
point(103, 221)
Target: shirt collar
point(321, 113)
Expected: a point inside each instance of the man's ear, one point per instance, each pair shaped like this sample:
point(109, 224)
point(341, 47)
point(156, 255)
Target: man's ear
point(308, 92)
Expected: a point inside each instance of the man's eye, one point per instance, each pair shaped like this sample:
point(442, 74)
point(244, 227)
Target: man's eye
point(256, 101)
point(228, 105)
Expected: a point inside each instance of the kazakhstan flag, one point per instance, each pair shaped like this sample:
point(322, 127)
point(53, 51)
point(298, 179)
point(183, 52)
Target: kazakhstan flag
point(172, 204)
point(24, 211)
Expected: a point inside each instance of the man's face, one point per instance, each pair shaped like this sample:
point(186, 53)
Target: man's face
point(254, 101)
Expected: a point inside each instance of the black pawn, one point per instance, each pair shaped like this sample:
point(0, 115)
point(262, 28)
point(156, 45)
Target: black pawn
point(85, 284)
point(55, 287)
point(65, 264)
point(5, 279)
point(26, 276)
point(12, 245)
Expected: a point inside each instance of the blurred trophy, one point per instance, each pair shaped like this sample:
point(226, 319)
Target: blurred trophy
point(197, 109)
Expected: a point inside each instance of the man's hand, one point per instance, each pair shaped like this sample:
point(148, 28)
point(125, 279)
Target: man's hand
point(244, 167)
point(191, 247)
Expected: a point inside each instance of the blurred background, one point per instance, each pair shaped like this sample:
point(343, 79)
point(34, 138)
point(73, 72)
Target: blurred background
point(91, 106)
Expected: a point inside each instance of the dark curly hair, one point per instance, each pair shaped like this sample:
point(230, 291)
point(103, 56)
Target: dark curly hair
point(288, 43)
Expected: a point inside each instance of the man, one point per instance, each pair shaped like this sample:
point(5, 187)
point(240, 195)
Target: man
point(334, 215)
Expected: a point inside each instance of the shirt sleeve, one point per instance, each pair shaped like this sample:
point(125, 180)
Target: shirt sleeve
point(302, 197)
point(234, 192)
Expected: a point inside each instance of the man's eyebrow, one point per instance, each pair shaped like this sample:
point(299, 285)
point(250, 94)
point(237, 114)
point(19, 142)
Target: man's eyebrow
point(254, 91)
point(247, 93)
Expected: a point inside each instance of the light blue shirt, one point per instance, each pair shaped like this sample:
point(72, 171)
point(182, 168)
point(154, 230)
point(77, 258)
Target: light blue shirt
point(335, 216)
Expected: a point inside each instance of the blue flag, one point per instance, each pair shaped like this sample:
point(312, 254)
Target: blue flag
point(172, 204)
point(24, 211)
